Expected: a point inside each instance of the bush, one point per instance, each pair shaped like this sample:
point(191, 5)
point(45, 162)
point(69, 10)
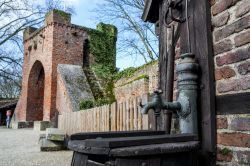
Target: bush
point(86, 104)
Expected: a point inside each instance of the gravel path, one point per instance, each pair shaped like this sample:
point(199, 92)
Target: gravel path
point(21, 148)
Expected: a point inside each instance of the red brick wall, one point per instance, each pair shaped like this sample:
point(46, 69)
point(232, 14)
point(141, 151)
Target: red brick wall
point(231, 36)
point(42, 54)
point(58, 42)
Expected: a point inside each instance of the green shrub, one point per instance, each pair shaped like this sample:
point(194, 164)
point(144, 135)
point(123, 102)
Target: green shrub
point(86, 104)
point(101, 102)
point(128, 72)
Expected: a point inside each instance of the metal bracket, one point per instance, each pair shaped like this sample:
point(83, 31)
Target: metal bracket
point(174, 7)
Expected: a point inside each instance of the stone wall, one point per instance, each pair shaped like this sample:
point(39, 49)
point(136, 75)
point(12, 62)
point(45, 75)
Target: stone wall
point(231, 36)
point(143, 81)
point(72, 87)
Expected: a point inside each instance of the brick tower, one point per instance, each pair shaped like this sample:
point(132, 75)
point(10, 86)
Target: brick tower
point(57, 42)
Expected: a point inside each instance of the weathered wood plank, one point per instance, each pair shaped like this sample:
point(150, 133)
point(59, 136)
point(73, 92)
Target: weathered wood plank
point(157, 149)
point(117, 117)
point(139, 115)
point(124, 116)
point(121, 115)
point(79, 159)
point(135, 114)
point(131, 114)
point(163, 58)
point(114, 134)
point(137, 141)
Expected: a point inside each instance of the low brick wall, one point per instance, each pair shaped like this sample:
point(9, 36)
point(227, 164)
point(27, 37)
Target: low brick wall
point(142, 82)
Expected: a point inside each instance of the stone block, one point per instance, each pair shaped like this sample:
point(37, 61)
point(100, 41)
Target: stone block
point(242, 157)
point(55, 134)
point(221, 19)
point(234, 139)
point(221, 123)
point(244, 68)
point(240, 124)
point(224, 73)
point(234, 85)
point(19, 125)
point(233, 57)
point(242, 38)
point(234, 27)
point(221, 5)
point(41, 125)
point(48, 145)
point(223, 46)
point(243, 8)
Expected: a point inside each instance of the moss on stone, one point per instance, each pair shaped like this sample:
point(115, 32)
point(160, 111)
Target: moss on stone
point(66, 16)
point(136, 79)
point(107, 28)
point(131, 70)
point(225, 151)
point(103, 48)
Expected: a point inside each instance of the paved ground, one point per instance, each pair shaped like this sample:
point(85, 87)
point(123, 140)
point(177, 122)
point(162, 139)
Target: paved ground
point(21, 148)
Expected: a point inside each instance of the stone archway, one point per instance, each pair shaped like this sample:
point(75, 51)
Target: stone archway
point(35, 99)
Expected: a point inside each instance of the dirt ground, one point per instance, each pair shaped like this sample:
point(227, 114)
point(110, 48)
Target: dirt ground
point(21, 148)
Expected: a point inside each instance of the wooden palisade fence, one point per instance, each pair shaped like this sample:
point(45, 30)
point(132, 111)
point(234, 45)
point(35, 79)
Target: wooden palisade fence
point(119, 116)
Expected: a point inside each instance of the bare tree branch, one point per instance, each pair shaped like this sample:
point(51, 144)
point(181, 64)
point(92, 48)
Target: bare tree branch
point(15, 16)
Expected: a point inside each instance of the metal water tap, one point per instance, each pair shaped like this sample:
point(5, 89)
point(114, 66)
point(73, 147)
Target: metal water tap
point(157, 104)
point(186, 104)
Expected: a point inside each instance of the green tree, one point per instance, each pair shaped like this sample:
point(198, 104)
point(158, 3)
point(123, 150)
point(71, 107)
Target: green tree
point(135, 37)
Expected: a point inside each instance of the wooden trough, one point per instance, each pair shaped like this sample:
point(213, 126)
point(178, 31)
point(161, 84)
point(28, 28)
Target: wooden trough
point(133, 148)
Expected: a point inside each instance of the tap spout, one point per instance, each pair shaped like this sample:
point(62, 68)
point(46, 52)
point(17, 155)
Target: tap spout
point(173, 106)
point(148, 106)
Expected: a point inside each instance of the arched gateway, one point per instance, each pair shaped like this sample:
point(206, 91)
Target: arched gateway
point(36, 92)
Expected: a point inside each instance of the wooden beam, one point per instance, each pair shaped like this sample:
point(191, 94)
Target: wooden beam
point(151, 12)
point(233, 104)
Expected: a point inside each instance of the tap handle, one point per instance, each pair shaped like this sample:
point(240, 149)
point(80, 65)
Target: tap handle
point(141, 105)
point(158, 92)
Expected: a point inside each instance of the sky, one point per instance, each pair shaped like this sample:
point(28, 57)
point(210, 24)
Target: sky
point(85, 16)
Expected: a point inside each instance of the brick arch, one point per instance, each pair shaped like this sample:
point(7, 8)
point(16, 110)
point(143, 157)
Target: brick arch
point(35, 97)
